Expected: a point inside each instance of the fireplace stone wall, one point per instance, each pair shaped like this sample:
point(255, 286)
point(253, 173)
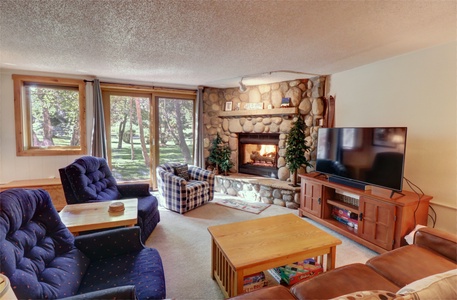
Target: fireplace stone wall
point(305, 94)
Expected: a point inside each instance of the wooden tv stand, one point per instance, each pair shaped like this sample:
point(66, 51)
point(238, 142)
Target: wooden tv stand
point(383, 221)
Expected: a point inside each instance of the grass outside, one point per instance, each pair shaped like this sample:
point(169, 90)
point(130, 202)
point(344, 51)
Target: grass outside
point(126, 169)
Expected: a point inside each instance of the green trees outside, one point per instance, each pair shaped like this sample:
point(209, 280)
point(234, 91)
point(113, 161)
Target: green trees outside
point(55, 116)
point(176, 124)
point(131, 134)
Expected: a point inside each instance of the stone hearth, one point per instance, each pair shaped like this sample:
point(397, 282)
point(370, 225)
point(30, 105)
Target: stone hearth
point(259, 189)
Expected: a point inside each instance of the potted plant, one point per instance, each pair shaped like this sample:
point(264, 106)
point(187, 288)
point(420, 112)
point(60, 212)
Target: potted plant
point(219, 154)
point(296, 147)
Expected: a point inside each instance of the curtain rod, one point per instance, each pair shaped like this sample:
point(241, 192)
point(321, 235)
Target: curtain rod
point(157, 88)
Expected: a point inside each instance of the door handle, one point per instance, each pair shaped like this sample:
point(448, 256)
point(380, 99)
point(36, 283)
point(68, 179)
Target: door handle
point(319, 200)
point(360, 216)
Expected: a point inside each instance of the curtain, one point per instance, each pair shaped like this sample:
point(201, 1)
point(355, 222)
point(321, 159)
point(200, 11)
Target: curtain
point(99, 147)
point(199, 159)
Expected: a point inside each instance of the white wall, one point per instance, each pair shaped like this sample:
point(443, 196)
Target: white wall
point(14, 167)
point(417, 90)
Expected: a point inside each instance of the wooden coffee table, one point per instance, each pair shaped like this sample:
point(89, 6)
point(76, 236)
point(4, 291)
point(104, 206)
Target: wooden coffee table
point(244, 248)
point(92, 216)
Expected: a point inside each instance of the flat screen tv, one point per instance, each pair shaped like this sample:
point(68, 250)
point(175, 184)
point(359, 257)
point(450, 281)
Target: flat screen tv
point(363, 156)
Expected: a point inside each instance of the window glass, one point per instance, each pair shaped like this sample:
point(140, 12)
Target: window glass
point(130, 137)
point(176, 130)
point(54, 116)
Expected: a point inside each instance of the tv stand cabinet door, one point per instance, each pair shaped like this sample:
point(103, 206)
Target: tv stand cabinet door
point(311, 198)
point(377, 222)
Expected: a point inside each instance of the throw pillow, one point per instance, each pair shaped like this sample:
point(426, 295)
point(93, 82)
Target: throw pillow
point(182, 171)
point(438, 286)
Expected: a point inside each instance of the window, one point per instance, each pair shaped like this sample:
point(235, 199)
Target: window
point(50, 116)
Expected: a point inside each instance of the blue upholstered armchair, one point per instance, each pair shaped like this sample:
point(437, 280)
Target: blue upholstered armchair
point(89, 179)
point(193, 188)
point(43, 260)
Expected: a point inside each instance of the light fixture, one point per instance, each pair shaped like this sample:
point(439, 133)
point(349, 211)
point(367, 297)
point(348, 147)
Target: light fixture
point(243, 87)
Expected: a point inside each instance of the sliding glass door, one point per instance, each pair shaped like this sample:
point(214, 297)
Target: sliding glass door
point(128, 134)
point(175, 130)
point(147, 129)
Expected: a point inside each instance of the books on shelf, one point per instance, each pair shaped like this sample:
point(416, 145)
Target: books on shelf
point(345, 216)
point(296, 272)
point(254, 282)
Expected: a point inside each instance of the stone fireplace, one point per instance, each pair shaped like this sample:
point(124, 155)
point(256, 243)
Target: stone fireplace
point(254, 118)
point(258, 154)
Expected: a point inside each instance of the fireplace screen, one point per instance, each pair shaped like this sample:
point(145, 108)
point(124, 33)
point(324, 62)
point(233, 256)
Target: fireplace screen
point(258, 154)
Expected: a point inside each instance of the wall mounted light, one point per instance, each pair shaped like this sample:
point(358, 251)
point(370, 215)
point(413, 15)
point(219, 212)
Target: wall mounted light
point(243, 87)
point(258, 76)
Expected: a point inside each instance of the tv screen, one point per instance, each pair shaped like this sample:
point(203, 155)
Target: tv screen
point(372, 156)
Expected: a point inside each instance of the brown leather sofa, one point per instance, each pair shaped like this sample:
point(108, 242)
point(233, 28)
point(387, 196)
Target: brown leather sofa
point(433, 252)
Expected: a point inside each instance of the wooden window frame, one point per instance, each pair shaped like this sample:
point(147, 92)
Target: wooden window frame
point(22, 119)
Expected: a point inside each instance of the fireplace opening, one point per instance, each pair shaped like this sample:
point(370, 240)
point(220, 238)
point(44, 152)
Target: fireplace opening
point(258, 154)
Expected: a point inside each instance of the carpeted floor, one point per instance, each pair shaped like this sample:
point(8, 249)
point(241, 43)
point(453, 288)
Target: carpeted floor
point(185, 246)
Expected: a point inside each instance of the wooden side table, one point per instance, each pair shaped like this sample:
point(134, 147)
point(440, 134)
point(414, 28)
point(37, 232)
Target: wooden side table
point(52, 185)
point(96, 215)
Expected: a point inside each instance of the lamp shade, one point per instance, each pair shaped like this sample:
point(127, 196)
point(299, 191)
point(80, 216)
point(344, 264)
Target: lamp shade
point(6, 292)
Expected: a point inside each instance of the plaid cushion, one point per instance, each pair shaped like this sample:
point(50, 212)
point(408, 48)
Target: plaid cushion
point(180, 195)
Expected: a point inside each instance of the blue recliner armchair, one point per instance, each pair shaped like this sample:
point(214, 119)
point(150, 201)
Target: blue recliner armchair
point(43, 260)
point(89, 179)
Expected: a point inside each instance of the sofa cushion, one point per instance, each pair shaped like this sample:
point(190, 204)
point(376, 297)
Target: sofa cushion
point(438, 286)
point(143, 269)
point(344, 280)
point(410, 263)
point(368, 295)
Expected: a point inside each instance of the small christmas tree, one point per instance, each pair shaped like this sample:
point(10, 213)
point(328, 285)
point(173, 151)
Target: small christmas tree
point(219, 154)
point(296, 147)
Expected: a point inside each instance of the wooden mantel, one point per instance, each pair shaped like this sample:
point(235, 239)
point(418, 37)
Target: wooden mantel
point(259, 112)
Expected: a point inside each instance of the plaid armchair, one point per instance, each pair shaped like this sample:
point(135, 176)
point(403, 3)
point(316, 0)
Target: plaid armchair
point(181, 195)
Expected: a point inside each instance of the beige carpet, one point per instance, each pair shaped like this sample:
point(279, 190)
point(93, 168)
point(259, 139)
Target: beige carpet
point(185, 246)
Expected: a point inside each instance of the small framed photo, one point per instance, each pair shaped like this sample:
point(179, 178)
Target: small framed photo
point(228, 105)
point(285, 102)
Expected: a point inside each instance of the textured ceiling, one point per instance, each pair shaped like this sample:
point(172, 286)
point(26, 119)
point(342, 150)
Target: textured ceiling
point(214, 42)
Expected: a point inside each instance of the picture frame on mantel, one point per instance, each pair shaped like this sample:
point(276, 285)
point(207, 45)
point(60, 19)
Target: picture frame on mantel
point(228, 106)
point(285, 102)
